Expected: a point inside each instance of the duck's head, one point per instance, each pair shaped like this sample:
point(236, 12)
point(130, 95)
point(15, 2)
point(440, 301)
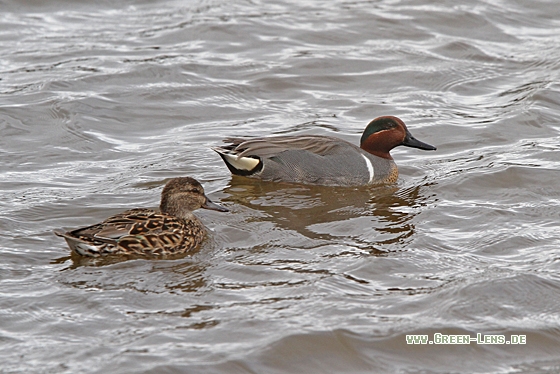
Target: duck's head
point(387, 132)
point(181, 196)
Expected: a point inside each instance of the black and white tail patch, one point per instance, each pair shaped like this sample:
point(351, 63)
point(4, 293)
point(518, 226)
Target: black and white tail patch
point(240, 165)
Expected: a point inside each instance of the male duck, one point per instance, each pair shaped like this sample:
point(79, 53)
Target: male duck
point(174, 230)
point(322, 160)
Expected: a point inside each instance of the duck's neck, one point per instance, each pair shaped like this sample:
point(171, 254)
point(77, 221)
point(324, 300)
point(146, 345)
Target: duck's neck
point(176, 208)
point(380, 144)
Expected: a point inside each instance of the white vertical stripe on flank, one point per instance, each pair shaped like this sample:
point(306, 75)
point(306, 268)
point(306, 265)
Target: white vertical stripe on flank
point(369, 168)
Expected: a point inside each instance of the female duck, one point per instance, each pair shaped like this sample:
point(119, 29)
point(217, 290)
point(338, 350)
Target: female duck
point(322, 160)
point(173, 230)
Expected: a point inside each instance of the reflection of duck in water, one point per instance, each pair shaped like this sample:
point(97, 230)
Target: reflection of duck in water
point(174, 230)
point(322, 160)
point(364, 215)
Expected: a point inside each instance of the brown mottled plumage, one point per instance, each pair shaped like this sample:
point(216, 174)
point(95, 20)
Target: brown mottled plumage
point(174, 230)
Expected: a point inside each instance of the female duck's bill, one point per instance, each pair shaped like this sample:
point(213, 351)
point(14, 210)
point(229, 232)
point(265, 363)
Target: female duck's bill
point(322, 160)
point(172, 230)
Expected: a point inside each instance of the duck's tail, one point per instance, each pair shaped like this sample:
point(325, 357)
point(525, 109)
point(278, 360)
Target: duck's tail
point(246, 165)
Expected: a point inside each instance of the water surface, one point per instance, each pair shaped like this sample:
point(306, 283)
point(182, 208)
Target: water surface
point(100, 104)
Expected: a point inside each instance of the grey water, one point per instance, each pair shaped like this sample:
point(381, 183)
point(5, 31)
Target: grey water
point(102, 102)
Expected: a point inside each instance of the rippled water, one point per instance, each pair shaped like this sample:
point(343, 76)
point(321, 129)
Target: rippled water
point(101, 103)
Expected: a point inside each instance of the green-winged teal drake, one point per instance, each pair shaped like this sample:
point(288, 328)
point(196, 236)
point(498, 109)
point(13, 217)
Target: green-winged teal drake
point(322, 160)
point(173, 230)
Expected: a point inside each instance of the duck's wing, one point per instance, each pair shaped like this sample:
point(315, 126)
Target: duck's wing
point(271, 146)
point(130, 222)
